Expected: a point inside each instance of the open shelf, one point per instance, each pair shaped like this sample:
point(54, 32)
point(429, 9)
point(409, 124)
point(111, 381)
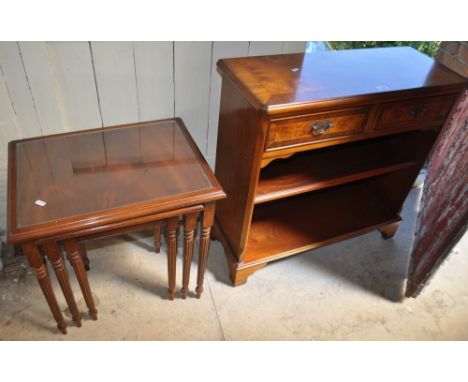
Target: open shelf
point(292, 225)
point(322, 168)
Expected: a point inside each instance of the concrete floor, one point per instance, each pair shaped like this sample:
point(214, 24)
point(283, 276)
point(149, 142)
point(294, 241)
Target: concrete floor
point(351, 290)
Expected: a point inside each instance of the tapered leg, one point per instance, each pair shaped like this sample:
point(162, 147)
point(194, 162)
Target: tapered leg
point(172, 226)
point(189, 226)
point(73, 253)
point(206, 223)
point(157, 238)
point(83, 255)
point(35, 261)
point(55, 256)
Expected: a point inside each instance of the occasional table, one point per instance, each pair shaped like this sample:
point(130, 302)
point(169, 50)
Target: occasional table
point(67, 188)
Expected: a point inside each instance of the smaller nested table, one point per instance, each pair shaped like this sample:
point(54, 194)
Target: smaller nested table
point(67, 188)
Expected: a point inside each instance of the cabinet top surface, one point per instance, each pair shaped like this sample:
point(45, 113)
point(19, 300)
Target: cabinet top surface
point(278, 80)
point(96, 173)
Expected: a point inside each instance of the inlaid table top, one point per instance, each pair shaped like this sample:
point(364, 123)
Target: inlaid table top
point(70, 181)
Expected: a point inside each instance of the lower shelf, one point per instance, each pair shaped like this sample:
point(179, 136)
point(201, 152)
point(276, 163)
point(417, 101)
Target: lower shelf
point(288, 226)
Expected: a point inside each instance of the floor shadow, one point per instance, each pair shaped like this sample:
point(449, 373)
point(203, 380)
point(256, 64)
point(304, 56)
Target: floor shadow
point(380, 270)
point(368, 261)
point(217, 263)
point(144, 279)
point(40, 323)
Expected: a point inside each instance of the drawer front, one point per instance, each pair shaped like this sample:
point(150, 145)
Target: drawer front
point(305, 129)
point(419, 113)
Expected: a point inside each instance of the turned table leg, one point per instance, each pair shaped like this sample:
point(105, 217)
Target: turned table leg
point(189, 226)
point(157, 238)
point(55, 256)
point(206, 223)
point(35, 261)
point(172, 227)
point(83, 255)
point(73, 253)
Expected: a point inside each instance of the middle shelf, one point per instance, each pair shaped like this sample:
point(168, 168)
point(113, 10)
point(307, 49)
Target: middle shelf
point(335, 165)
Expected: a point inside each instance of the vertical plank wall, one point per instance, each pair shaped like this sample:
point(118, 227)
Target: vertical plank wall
point(53, 87)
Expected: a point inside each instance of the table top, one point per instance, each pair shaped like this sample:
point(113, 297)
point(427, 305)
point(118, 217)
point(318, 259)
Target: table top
point(65, 182)
point(278, 80)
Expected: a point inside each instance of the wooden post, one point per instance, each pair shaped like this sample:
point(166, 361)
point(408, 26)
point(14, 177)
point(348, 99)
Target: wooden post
point(172, 226)
point(35, 261)
point(189, 227)
point(55, 256)
point(73, 253)
point(206, 224)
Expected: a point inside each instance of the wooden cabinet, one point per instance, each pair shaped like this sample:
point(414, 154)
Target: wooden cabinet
point(316, 148)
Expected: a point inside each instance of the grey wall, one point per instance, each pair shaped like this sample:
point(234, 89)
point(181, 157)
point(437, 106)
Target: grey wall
point(54, 87)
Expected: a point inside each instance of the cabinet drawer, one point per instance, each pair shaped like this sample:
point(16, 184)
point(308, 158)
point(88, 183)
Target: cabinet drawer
point(419, 113)
point(308, 128)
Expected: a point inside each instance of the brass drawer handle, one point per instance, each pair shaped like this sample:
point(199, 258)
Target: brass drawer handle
point(418, 111)
point(320, 127)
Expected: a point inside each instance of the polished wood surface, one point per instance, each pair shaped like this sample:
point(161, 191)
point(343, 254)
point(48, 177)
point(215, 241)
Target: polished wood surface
point(172, 226)
point(133, 169)
point(420, 113)
point(293, 225)
point(69, 188)
point(315, 127)
point(36, 262)
point(336, 138)
point(73, 250)
point(207, 221)
point(332, 166)
point(238, 161)
point(189, 229)
point(297, 81)
point(84, 256)
point(54, 254)
point(157, 238)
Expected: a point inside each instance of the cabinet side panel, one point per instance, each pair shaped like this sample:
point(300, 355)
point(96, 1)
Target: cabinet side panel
point(241, 137)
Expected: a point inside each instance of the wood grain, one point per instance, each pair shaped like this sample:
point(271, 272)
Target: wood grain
point(317, 169)
point(190, 222)
point(298, 82)
point(311, 220)
point(75, 258)
point(55, 256)
point(36, 262)
point(172, 227)
point(126, 185)
point(313, 190)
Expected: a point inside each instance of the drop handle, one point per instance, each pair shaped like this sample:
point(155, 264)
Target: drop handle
point(418, 111)
point(318, 128)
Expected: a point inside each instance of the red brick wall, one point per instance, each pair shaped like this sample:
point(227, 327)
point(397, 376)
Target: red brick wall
point(454, 55)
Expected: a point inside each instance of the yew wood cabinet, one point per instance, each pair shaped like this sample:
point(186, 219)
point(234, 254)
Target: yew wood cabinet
point(317, 148)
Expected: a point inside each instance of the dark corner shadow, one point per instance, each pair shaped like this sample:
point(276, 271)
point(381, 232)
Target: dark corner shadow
point(217, 263)
point(379, 269)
